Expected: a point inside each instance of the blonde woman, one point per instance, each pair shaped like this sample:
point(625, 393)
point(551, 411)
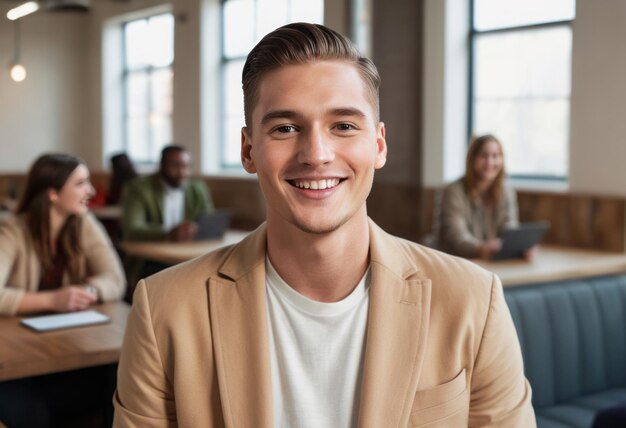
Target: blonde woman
point(479, 205)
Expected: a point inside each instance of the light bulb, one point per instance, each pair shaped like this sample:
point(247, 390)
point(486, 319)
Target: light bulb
point(18, 72)
point(23, 10)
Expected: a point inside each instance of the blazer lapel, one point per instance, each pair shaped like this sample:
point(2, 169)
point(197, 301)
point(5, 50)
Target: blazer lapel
point(396, 332)
point(239, 327)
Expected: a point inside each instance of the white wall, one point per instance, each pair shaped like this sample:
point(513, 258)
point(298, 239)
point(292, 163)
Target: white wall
point(598, 102)
point(48, 111)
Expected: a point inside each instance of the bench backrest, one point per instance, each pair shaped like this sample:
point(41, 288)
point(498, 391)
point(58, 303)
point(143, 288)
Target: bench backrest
point(573, 336)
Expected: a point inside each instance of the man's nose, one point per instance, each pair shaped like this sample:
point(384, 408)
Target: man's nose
point(315, 148)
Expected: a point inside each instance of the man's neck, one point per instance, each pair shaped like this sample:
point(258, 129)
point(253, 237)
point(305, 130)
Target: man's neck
point(322, 267)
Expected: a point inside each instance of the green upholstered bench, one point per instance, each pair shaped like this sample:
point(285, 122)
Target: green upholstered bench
point(573, 339)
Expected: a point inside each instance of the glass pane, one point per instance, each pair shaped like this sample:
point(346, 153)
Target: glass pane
point(137, 94)
point(159, 42)
point(161, 133)
point(521, 94)
point(491, 14)
point(233, 114)
point(238, 27)
point(534, 133)
point(271, 14)
point(137, 138)
point(523, 63)
point(307, 11)
point(233, 94)
point(231, 155)
point(161, 91)
point(135, 42)
point(160, 118)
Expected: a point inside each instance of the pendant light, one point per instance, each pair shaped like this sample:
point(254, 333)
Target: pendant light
point(17, 70)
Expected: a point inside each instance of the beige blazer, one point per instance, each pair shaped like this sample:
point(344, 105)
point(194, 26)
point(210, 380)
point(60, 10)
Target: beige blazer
point(441, 349)
point(20, 268)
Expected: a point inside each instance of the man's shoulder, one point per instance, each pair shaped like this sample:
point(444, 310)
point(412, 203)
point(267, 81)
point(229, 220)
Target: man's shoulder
point(196, 184)
point(142, 182)
point(187, 281)
point(437, 264)
point(450, 276)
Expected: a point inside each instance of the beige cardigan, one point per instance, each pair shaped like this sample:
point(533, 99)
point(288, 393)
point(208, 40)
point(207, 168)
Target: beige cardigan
point(441, 349)
point(465, 224)
point(20, 269)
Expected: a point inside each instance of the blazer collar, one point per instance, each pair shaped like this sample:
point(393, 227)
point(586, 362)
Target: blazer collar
point(239, 327)
point(396, 333)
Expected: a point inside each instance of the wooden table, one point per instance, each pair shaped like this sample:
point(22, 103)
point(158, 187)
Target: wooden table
point(25, 353)
point(177, 252)
point(107, 212)
point(554, 263)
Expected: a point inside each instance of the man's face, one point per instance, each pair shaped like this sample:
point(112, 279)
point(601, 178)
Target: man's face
point(176, 168)
point(314, 142)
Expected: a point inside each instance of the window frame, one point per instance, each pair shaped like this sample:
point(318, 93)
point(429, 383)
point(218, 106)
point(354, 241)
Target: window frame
point(224, 60)
point(473, 34)
point(148, 71)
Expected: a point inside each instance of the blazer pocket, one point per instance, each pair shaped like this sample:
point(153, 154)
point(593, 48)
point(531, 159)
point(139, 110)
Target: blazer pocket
point(447, 403)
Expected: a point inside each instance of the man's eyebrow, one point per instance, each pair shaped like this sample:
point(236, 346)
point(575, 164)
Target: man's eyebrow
point(347, 111)
point(278, 114)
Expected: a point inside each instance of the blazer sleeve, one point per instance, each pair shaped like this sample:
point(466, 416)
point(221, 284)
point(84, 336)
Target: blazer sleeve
point(501, 395)
point(135, 220)
point(104, 269)
point(455, 235)
point(10, 297)
point(144, 397)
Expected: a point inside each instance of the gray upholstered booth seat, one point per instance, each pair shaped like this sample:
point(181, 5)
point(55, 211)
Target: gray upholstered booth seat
point(573, 338)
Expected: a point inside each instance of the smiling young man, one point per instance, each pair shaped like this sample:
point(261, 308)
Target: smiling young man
point(319, 318)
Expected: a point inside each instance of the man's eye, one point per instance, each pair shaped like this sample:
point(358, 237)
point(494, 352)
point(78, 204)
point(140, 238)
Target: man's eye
point(345, 127)
point(285, 129)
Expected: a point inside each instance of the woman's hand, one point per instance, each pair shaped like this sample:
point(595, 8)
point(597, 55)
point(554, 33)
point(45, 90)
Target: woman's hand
point(489, 248)
point(72, 298)
point(531, 253)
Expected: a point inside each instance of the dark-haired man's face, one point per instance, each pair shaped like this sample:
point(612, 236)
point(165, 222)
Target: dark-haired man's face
point(176, 168)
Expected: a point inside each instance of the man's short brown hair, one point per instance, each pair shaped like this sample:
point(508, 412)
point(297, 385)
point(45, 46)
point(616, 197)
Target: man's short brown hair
point(300, 43)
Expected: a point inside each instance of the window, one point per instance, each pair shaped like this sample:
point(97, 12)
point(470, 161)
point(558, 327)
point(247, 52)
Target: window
point(521, 82)
point(147, 86)
point(244, 23)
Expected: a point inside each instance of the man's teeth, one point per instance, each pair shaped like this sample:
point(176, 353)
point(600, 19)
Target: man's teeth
point(317, 184)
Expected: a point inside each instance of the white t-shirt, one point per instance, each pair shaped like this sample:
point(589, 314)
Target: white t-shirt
point(173, 206)
point(316, 352)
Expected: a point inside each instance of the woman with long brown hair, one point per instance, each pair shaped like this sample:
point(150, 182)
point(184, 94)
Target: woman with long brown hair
point(479, 205)
point(54, 256)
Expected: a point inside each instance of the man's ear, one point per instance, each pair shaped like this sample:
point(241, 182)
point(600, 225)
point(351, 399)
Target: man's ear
point(381, 146)
point(246, 151)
